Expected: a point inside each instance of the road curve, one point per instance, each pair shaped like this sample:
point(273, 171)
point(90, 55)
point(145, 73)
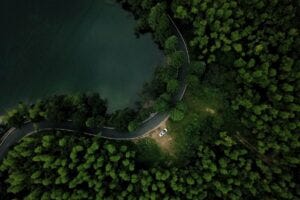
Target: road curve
point(13, 135)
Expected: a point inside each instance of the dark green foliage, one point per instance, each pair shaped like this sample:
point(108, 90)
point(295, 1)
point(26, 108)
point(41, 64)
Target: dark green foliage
point(74, 167)
point(178, 112)
point(176, 59)
point(235, 174)
point(171, 44)
point(172, 86)
point(159, 23)
point(133, 125)
point(121, 118)
point(247, 49)
point(197, 68)
point(162, 103)
point(17, 117)
point(149, 154)
point(84, 110)
point(250, 50)
point(58, 166)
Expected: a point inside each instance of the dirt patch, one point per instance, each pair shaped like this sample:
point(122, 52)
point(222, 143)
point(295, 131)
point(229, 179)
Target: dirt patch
point(165, 142)
point(211, 111)
point(148, 104)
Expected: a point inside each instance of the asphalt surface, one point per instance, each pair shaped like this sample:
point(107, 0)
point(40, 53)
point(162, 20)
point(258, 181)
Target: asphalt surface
point(13, 135)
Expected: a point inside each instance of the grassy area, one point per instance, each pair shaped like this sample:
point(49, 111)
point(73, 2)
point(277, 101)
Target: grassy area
point(149, 153)
point(207, 111)
point(209, 103)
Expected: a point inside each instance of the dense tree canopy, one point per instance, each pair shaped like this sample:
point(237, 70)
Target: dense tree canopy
point(255, 44)
point(83, 109)
point(59, 166)
point(247, 49)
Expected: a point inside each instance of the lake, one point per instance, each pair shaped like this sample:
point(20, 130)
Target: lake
point(71, 46)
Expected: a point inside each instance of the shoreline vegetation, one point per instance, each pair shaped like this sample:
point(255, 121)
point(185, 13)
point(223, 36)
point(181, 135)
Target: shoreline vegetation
point(235, 131)
point(164, 90)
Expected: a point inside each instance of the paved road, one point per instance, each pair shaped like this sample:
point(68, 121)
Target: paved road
point(14, 135)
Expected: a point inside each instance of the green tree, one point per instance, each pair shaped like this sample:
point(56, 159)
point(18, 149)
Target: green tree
point(176, 114)
point(172, 86)
point(171, 44)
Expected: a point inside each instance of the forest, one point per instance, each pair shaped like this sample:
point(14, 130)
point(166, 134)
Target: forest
point(245, 60)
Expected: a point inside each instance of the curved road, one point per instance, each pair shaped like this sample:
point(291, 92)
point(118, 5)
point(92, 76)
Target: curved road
point(13, 135)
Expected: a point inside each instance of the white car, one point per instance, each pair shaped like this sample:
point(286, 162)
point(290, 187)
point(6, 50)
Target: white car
point(163, 132)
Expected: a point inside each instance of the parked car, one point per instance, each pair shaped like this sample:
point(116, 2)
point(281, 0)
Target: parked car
point(163, 132)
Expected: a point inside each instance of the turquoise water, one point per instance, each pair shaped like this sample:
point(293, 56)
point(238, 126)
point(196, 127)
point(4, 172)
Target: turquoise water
point(65, 47)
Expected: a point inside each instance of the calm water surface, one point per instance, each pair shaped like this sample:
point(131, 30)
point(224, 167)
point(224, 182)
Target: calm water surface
point(69, 46)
